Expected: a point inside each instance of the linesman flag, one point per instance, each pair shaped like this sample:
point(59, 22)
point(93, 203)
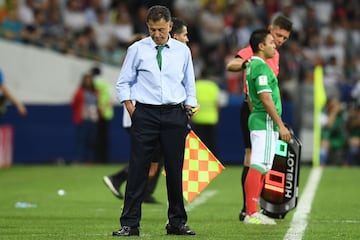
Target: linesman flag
point(200, 167)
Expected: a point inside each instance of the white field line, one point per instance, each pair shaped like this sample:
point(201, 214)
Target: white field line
point(202, 198)
point(299, 222)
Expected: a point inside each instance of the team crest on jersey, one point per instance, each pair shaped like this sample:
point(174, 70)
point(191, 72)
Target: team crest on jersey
point(263, 80)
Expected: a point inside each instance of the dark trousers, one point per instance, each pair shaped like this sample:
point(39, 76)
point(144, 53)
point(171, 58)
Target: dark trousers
point(122, 175)
point(102, 141)
point(207, 133)
point(157, 157)
point(151, 126)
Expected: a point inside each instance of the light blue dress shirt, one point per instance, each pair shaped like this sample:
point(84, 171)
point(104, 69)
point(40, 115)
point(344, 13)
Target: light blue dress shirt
point(141, 79)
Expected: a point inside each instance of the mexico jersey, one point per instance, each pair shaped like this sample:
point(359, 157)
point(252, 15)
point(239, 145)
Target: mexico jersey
point(260, 78)
point(246, 53)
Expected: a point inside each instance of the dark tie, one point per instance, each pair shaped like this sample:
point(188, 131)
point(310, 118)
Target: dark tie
point(158, 55)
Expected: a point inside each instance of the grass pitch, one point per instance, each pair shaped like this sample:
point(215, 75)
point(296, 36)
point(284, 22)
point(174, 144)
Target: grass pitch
point(88, 210)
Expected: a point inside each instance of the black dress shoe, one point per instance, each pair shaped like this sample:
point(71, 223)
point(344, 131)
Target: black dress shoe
point(182, 230)
point(127, 231)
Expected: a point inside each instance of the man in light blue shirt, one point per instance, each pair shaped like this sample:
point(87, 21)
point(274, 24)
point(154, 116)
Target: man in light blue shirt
point(142, 80)
point(164, 92)
point(115, 181)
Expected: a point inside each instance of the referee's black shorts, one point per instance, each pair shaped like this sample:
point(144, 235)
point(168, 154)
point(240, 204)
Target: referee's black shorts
point(244, 116)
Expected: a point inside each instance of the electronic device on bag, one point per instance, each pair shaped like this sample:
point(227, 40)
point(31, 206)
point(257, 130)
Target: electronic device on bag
point(280, 191)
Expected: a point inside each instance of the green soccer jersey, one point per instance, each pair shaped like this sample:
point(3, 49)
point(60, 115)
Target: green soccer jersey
point(260, 78)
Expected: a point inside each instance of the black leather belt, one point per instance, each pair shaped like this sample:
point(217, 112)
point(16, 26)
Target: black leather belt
point(163, 106)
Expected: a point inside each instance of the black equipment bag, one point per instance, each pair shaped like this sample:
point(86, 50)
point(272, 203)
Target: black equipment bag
point(280, 191)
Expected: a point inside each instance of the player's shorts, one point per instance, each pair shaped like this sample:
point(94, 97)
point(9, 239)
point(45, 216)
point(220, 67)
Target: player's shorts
point(263, 150)
point(244, 116)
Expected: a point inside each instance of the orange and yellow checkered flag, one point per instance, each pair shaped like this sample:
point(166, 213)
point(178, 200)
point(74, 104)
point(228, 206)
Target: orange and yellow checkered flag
point(200, 167)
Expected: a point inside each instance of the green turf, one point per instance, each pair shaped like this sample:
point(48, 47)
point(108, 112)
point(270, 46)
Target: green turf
point(90, 211)
point(336, 208)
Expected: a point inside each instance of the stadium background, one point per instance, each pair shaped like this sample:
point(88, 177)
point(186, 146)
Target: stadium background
point(44, 76)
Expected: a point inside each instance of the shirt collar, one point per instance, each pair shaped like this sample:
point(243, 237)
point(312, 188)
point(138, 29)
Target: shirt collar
point(168, 44)
point(256, 57)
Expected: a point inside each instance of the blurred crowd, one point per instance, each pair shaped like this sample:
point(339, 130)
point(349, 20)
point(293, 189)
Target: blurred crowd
point(325, 32)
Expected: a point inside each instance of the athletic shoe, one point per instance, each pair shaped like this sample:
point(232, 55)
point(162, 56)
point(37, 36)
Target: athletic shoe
point(113, 186)
point(242, 215)
point(258, 218)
